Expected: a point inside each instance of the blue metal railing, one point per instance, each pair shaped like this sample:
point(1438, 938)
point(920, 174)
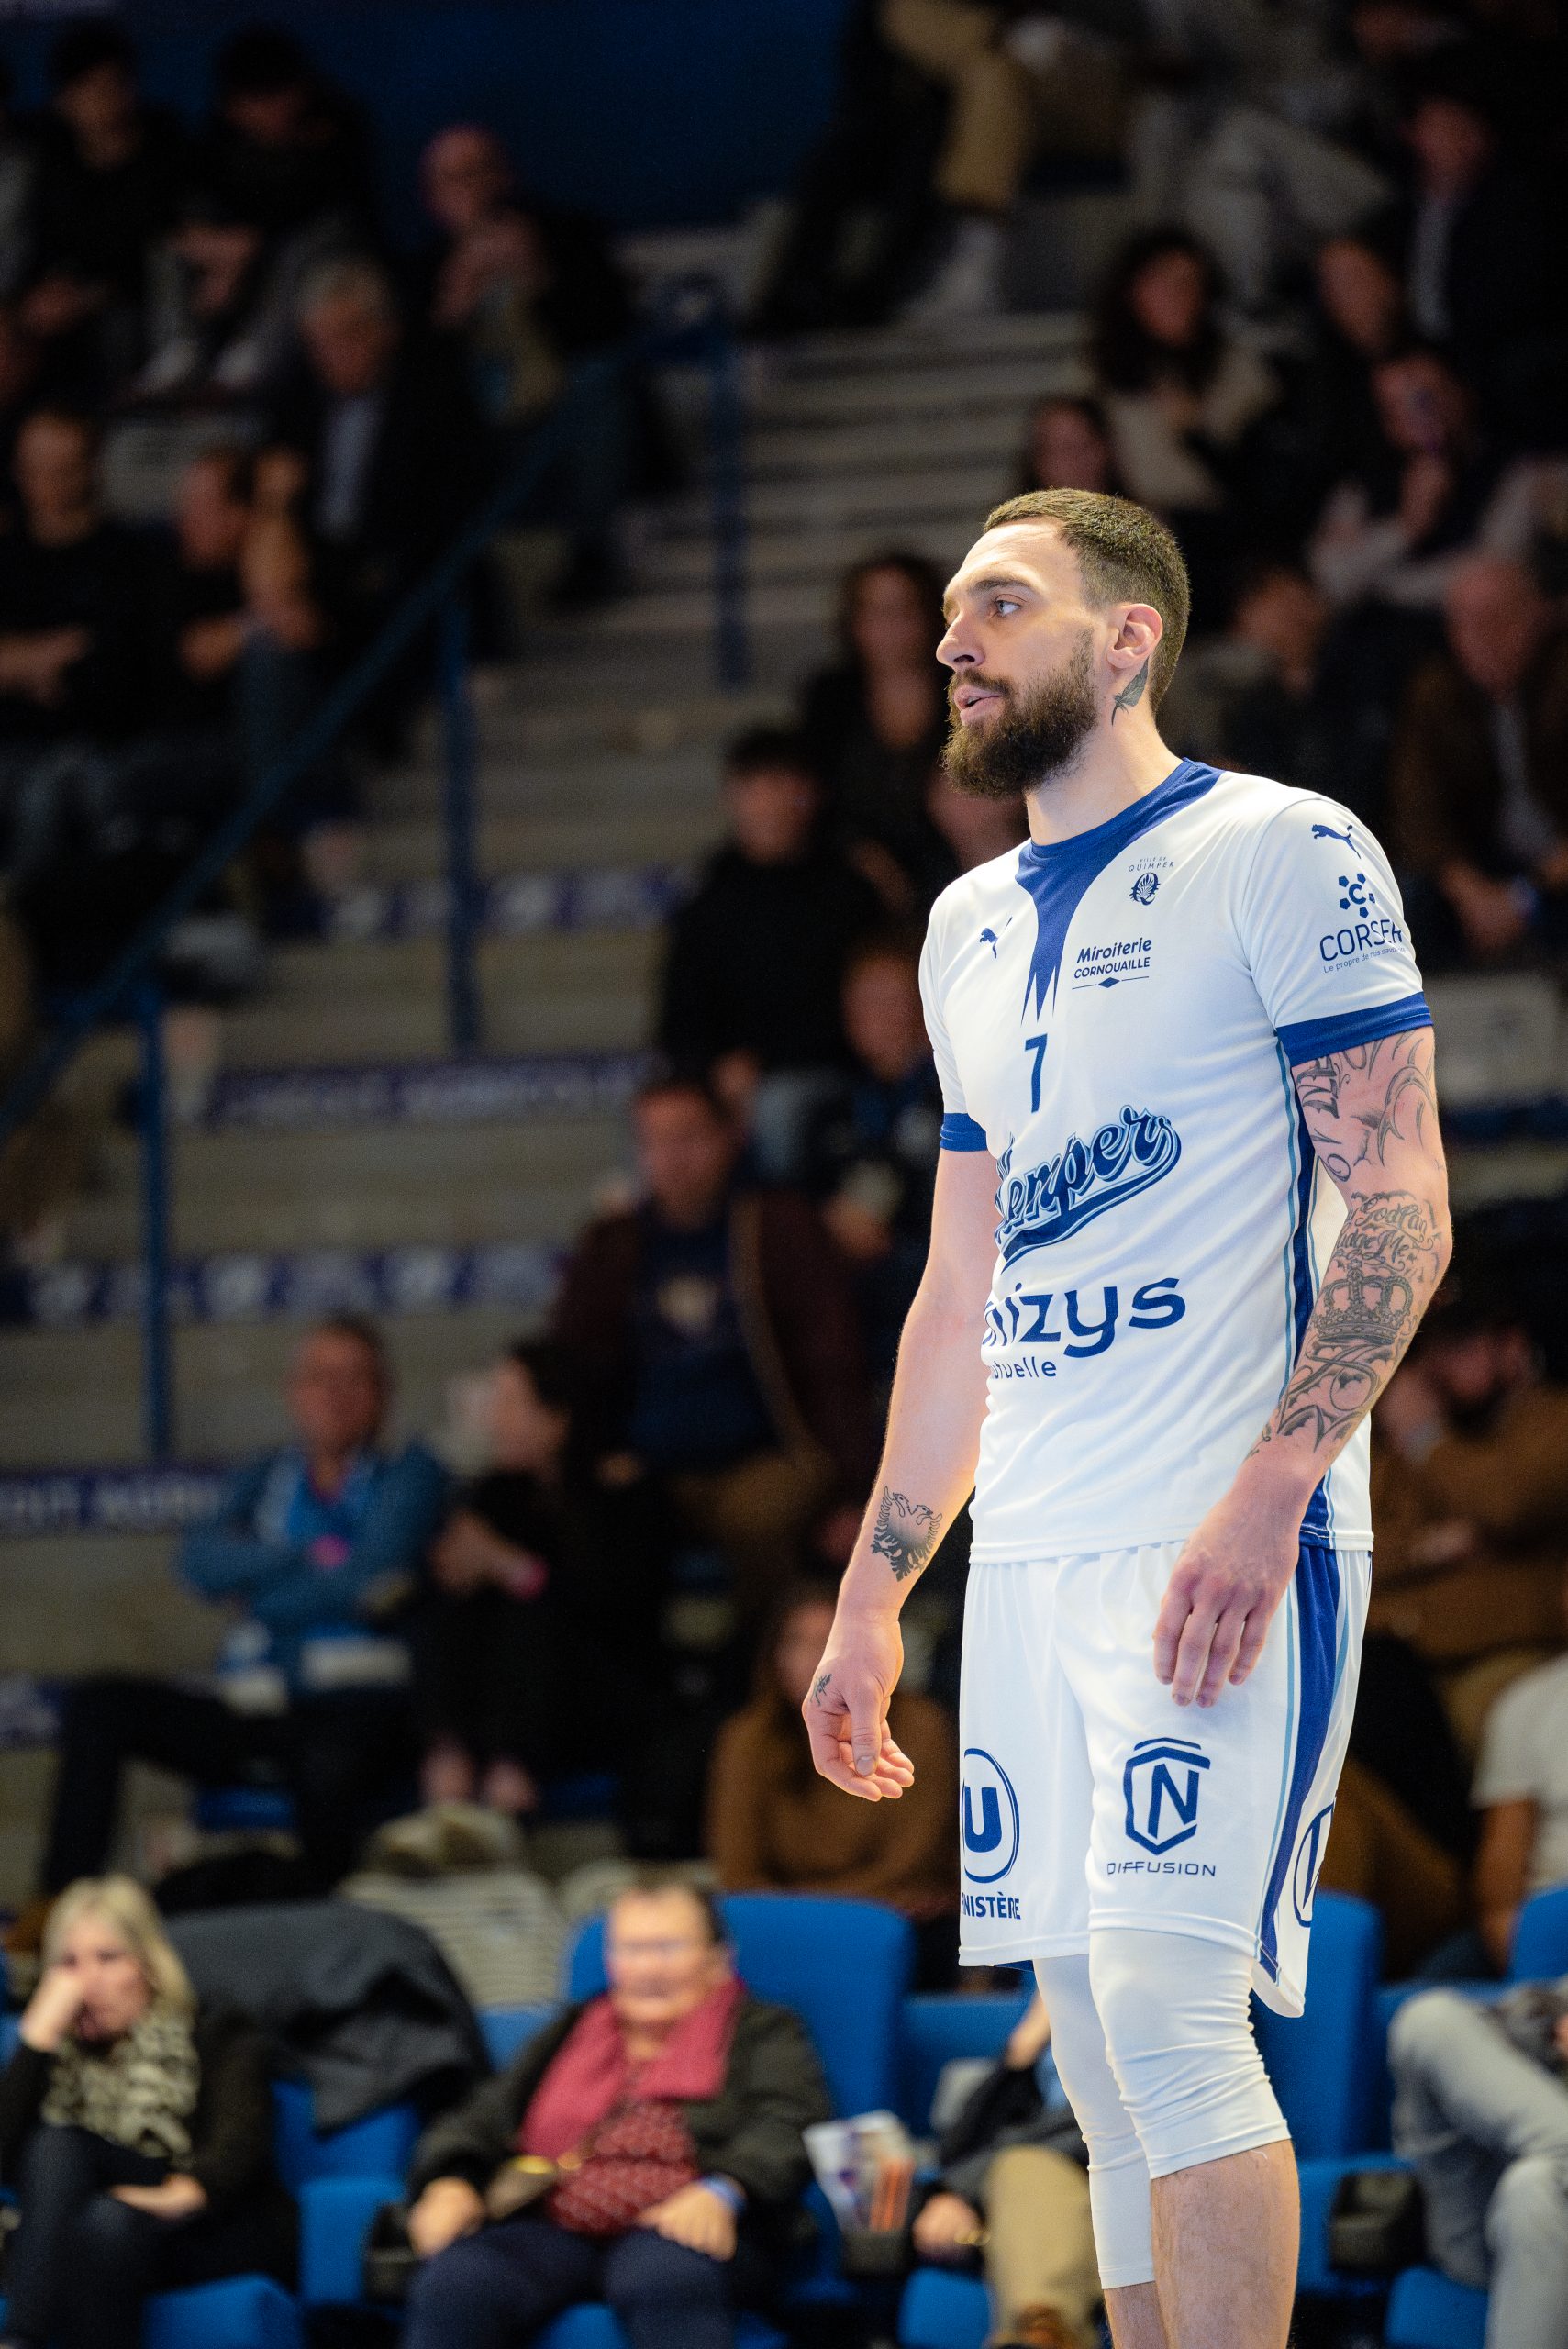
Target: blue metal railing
point(693, 327)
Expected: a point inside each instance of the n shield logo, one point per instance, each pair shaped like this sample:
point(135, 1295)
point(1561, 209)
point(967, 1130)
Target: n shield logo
point(990, 1817)
point(1162, 1782)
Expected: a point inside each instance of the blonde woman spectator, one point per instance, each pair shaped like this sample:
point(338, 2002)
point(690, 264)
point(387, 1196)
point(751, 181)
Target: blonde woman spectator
point(136, 2132)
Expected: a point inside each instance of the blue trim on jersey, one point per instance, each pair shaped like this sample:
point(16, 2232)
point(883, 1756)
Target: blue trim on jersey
point(1317, 1591)
point(1303, 1292)
point(961, 1132)
point(1311, 1040)
point(1056, 873)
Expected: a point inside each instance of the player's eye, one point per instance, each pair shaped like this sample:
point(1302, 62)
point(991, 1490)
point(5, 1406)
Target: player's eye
point(1002, 604)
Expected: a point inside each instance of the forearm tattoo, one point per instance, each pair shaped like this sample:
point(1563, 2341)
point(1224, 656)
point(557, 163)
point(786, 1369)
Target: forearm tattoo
point(1131, 694)
point(906, 1533)
point(1369, 1110)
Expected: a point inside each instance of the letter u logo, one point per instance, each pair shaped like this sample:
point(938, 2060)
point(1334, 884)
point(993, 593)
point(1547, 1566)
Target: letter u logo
point(988, 1834)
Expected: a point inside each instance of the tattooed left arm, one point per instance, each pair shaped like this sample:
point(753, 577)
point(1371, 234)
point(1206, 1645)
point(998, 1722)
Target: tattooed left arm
point(1373, 1115)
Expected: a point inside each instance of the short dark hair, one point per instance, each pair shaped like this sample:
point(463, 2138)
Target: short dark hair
point(667, 1083)
point(364, 1332)
point(765, 750)
point(257, 62)
point(1126, 555)
point(653, 1884)
point(87, 49)
point(549, 1369)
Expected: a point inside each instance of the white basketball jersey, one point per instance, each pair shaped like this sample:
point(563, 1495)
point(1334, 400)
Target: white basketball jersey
point(1115, 1019)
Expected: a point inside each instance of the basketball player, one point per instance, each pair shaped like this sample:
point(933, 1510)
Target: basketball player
point(1190, 1209)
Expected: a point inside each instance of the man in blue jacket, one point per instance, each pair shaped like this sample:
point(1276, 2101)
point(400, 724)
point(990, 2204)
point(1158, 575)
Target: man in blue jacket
point(316, 1551)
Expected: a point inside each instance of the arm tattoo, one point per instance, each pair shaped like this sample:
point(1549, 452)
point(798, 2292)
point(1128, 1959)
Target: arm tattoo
point(1371, 1113)
point(1382, 1272)
point(905, 1533)
point(819, 1687)
point(1131, 694)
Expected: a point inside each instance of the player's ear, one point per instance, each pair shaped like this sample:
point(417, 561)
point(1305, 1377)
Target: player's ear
point(1138, 630)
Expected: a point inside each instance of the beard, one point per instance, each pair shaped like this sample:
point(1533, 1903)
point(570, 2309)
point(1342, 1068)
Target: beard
point(1038, 733)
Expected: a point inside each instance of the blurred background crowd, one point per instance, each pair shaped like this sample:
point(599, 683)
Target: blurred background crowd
point(1292, 275)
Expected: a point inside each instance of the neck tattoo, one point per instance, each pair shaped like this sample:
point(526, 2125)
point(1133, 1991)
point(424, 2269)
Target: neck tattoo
point(1131, 694)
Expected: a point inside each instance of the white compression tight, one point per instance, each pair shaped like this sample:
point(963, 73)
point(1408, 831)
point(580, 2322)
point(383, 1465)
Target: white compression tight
point(1153, 2044)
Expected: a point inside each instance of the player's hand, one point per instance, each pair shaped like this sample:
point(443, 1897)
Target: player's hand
point(1221, 1598)
point(845, 1710)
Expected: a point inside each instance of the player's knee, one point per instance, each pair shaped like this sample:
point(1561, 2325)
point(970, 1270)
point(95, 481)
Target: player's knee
point(1179, 2033)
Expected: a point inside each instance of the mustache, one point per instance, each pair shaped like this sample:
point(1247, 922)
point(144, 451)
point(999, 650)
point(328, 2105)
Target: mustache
point(977, 680)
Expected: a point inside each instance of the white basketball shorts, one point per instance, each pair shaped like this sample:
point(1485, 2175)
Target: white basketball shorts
point(1090, 1798)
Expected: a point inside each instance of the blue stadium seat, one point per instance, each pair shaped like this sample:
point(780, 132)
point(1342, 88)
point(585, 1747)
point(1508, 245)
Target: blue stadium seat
point(380, 2144)
point(595, 2328)
point(1540, 1938)
point(507, 2029)
point(244, 1810)
point(843, 1966)
point(941, 2311)
point(338, 2179)
point(250, 2313)
point(1425, 2312)
point(943, 2027)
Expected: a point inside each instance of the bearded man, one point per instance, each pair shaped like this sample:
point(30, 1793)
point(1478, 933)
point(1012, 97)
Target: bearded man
point(1190, 1206)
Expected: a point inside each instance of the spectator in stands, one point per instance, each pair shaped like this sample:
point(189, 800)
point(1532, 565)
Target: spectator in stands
point(867, 1150)
point(1013, 2184)
point(529, 291)
point(687, 2097)
point(1479, 281)
point(1179, 393)
point(1069, 447)
point(136, 2132)
point(1326, 429)
point(1015, 88)
point(755, 957)
point(199, 620)
point(1314, 713)
point(72, 588)
point(545, 1586)
point(109, 176)
point(1479, 778)
point(874, 724)
point(1435, 489)
point(712, 1335)
point(319, 1546)
point(1481, 2108)
point(219, 312)
point(73, 673)
point(1475, 1498)
point(864, 210)
point(772, 1825)
point(285, 152)
point(1521, 1793)
point(394, 452)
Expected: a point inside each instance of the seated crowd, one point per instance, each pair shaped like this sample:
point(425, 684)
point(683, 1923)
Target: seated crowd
point(324, 410)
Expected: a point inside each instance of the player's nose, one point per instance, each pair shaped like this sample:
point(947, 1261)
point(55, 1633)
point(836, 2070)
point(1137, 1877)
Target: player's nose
point(958, 648)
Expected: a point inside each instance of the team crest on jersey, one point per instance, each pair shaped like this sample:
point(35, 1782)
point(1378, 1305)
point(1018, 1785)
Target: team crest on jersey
point(1084, 1180)
point(1144, 888)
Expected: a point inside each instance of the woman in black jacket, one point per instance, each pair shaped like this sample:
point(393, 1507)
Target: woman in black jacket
point(645, 2150)
point(134, 2131)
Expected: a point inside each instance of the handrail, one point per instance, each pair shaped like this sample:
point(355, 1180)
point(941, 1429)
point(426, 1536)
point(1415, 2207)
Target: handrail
point(707, 334)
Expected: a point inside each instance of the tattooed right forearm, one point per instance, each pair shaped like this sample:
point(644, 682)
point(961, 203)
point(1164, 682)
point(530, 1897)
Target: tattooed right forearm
point(906, 1533)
